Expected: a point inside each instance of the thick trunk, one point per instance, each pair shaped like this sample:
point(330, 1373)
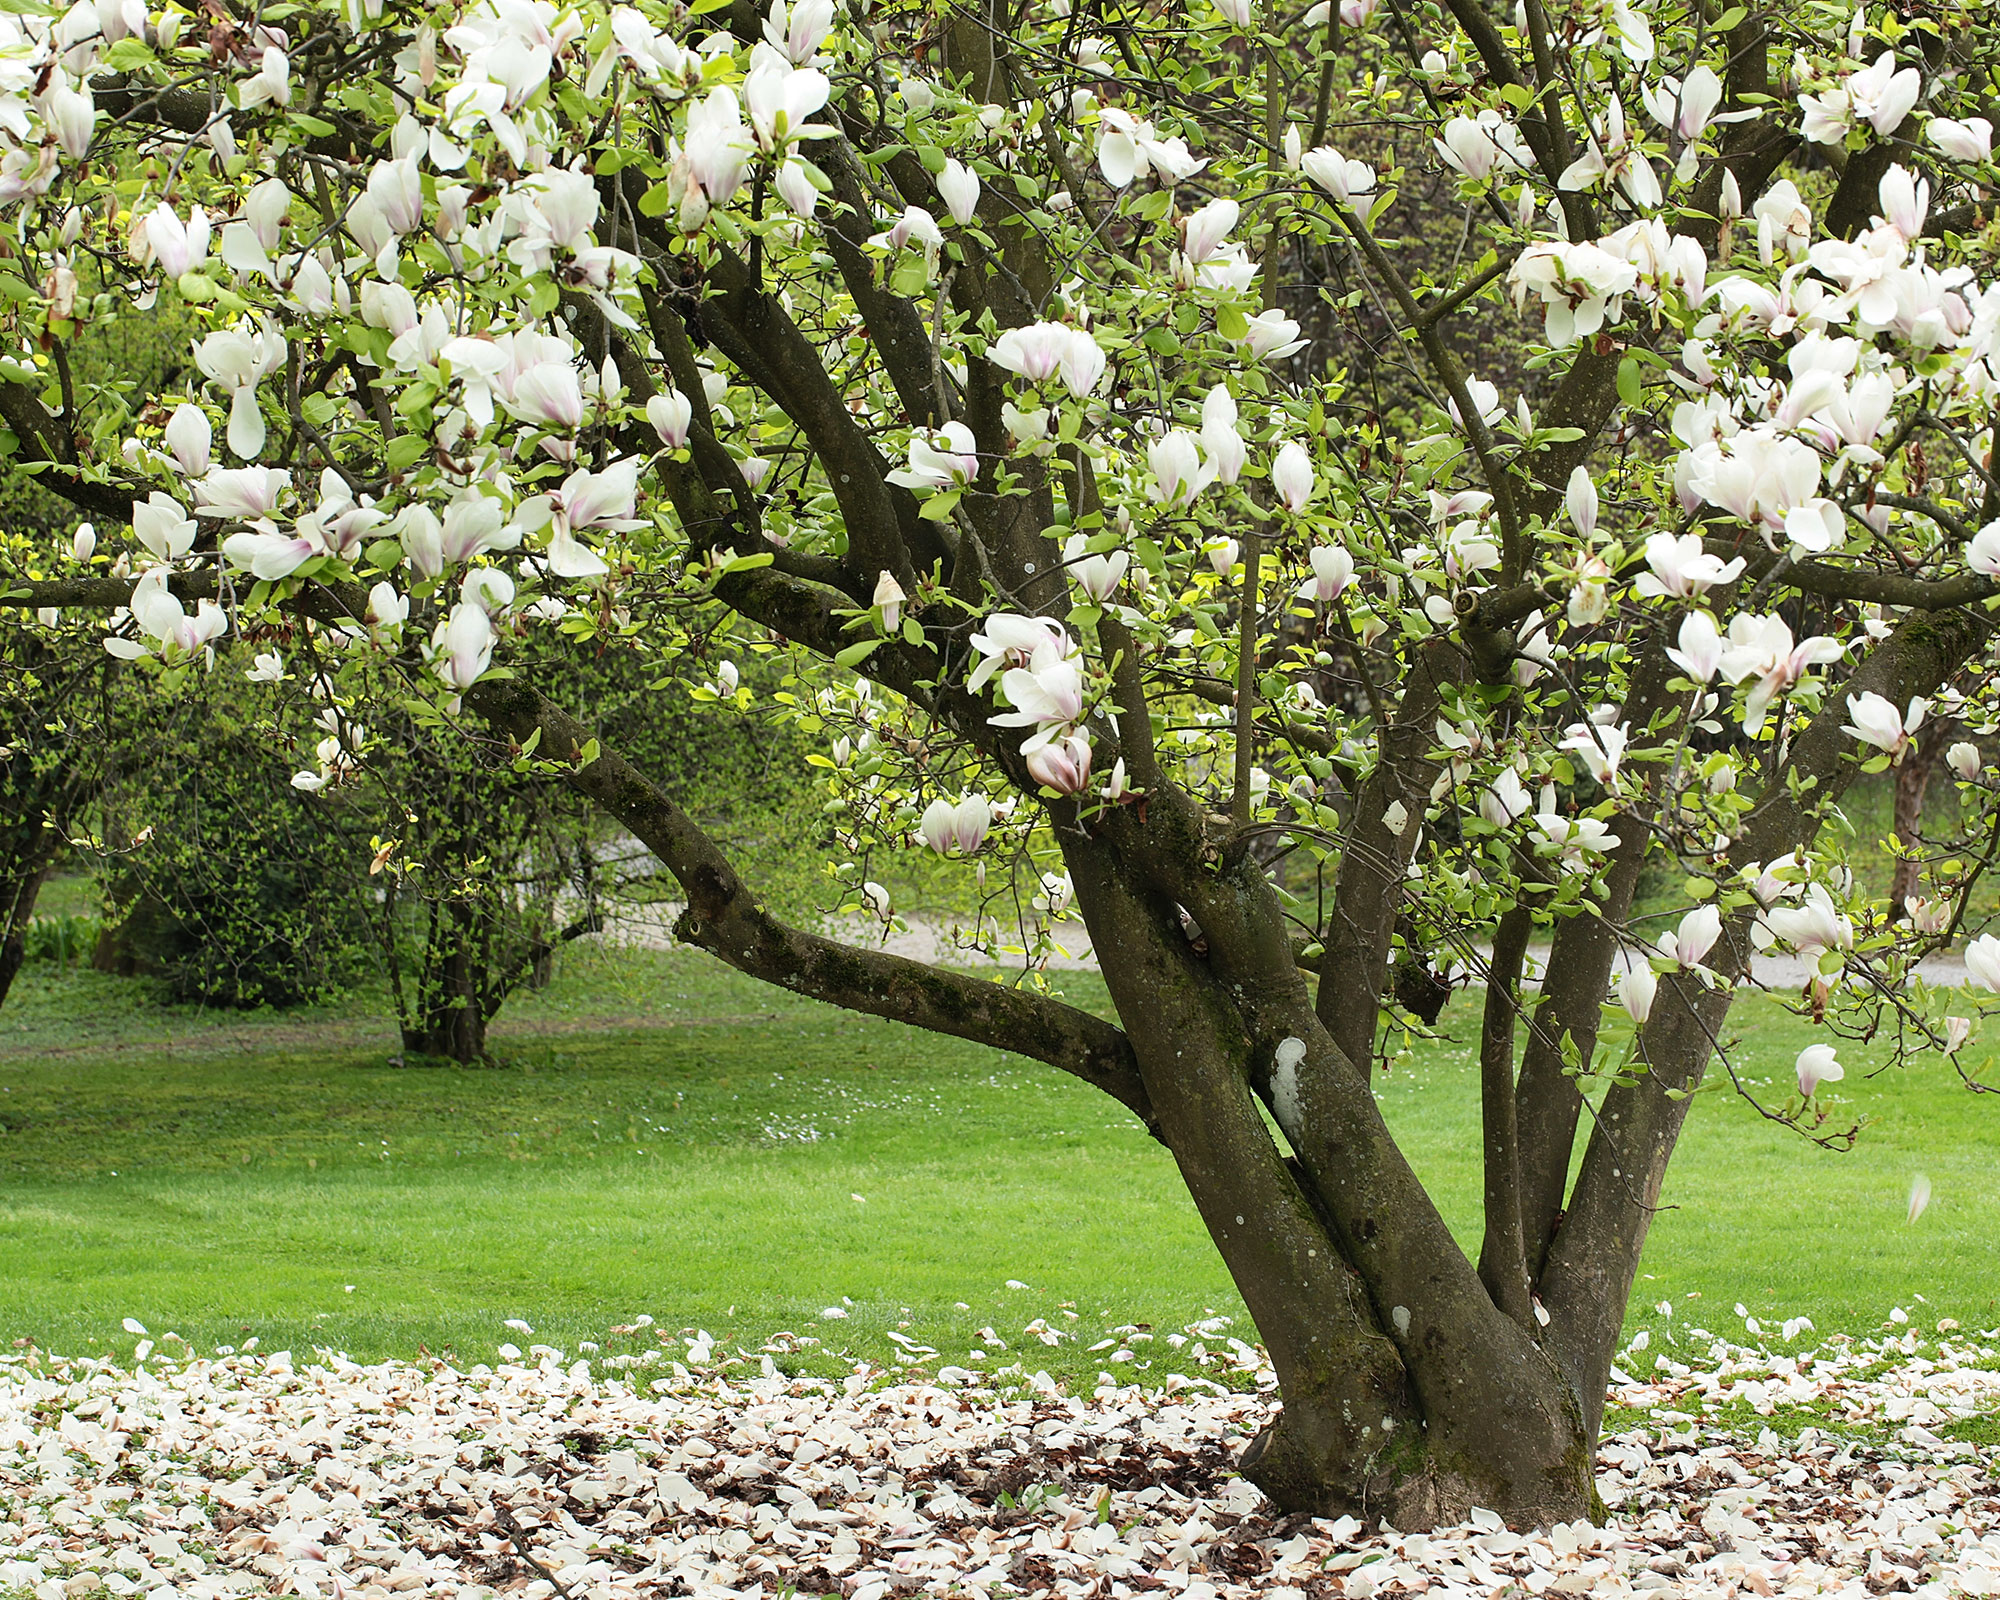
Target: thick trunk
point(1405, 1396)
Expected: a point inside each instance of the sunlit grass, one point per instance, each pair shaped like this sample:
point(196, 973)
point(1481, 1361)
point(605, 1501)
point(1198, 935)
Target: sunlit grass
point(664, 1138)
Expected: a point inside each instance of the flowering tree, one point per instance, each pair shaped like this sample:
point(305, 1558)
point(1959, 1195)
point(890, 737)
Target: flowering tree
point(954, 353)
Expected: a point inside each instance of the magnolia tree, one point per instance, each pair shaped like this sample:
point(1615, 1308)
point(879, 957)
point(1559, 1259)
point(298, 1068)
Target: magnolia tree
point(953, 353)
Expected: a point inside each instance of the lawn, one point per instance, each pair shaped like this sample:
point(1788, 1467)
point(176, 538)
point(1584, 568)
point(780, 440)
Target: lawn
point(664, 1139)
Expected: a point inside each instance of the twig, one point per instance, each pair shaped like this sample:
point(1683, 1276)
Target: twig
point(517, 1536)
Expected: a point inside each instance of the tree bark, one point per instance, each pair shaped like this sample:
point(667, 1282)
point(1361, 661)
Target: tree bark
point(17, 904)
point(1913, 779)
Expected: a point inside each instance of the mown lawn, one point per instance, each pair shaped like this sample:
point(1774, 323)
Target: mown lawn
point(666, 1139)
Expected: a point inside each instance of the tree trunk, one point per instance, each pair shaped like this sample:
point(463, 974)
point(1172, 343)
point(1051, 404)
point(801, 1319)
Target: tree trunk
point(1913, 778)
point(453, 1022)
point(17, 905)
point(1407, 1396)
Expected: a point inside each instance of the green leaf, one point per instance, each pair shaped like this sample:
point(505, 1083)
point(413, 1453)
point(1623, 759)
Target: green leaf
point(656, 201)
point(940, 506)
point(129, 55)
point(587, 754)
point(913, 631)
point(855, 654)
point(750, 563)
point(911, 275)
point(1231, 323)
point(1628, 381)
point(406, 451)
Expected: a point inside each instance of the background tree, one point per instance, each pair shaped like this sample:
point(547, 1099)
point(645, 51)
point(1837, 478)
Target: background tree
point(946, 351)
point(52, 714)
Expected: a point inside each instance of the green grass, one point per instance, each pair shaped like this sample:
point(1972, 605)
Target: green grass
point(666, 1138)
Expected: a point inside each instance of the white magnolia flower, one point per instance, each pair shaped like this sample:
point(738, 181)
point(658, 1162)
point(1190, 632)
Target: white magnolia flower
point(1045, 350)
point(1292, 477)
point(1677, 566)
point(1970, 140)
point(956, 829)
point(958, 184)
point(1340, 177)
point(946, 459)
point(1874, 720)
point(1816, 1065)
point(1982, 962)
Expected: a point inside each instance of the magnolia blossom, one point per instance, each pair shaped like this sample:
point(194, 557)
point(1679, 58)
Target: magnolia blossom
point(162, 527)
point(189, 438)
point(1063, 764)
point(1874, 720)
point(1813, 927)
point(1580, 500)
point(1506, 800)
point(1686, 105)
point(1691, 942)
point(1129, 148)
point(1982, 962)
point(1970, 140)
point(1271, 336)
point(1581, 287)
point(1982, 551)
point(1963, 758)
point(463, 647)
point(386, 608)
point(1816, 1065)
point(1758, 475)
point(1700, 652)
point(1476, 147)
point(1046, 694)
point(1011, 640)
point(1600, 747)
point(1680, 568)
point(236, 360)
point(271, 556)
point(247, 494)
point(1045, 349)
point(671, 413)
point(1292, 477)
point(162, 618)
point(958, 184)
point(1179, 474)
point(1097, 576)
point(176, 247)
point(889, 599)
point(1636, 988)
point(1337, 175)
point(1761, 649)
point(956, 829)
point(1203, 232)
point(1333, 571)
point(1221, 438)
point(1879, 95)
point(946, 459)
point(1614, 154)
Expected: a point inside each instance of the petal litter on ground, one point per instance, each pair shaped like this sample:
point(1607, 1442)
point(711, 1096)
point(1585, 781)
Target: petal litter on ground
point(252, 1475)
